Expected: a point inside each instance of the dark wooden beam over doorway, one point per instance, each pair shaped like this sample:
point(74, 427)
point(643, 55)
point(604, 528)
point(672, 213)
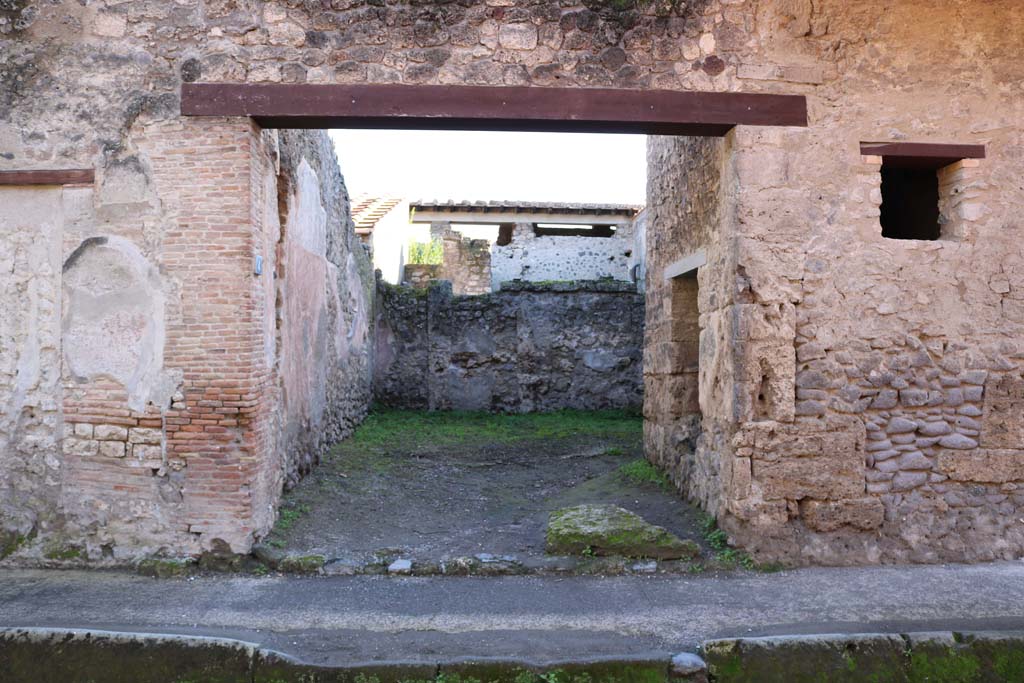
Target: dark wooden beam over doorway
point(458, 107)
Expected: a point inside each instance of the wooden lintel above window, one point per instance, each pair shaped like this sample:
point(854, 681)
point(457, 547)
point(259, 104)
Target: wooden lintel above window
point(922, 155)
point(67, 176)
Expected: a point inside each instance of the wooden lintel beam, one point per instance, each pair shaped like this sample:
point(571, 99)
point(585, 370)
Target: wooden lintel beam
point(74, 176)
point(924, 155)
point(660, 112)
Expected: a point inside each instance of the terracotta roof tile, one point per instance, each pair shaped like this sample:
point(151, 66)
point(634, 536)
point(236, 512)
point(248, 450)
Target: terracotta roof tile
point(367, 211)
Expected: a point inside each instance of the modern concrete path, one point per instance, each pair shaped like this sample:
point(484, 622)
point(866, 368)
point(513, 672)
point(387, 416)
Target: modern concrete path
point(345, 620)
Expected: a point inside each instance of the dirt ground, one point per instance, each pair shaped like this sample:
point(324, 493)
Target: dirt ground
point(435, 486)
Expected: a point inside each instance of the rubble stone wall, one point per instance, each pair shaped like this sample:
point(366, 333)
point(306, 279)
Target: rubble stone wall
point(820, 341)
point(467, 263)
point(541, 258)
point(528, 348)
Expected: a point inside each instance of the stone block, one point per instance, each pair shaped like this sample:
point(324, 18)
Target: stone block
point(147, 452)
point(112, 449)
point(144, 435)
point(110, 433)
point(833, 658)
point(753, 322)
point(905, 481)
point(996, 466)
point(518, 36)
point(765, 381)
point(672, 357)
point(823, 460)
point(860, 513)
point(80, 447)
point(1003, 424)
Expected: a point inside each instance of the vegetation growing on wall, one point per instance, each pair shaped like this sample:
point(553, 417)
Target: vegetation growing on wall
point(426, 253)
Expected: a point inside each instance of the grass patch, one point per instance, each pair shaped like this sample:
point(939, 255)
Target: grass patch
point(640, 471)
point(388, 430)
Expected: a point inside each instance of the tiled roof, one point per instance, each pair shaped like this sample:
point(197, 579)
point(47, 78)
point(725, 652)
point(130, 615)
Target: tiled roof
point(367, 211)
point(524, 207)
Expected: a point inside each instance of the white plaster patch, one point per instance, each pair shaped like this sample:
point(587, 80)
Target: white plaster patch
point(307, 218)
point(114, 317)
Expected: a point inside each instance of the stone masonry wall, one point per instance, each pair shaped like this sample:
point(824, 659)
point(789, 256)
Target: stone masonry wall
point(326, 286)
point(684, 426)
point(467, 263)
point(539, 258)
point(872, 386)
point(811, 324)
point(524, 349)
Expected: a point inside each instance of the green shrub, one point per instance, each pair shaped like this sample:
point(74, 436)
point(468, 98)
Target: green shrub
point(430, 253)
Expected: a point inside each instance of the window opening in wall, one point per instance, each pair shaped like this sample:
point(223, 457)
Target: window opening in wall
point(914, 183)
point(910, 203)
point(566, 230)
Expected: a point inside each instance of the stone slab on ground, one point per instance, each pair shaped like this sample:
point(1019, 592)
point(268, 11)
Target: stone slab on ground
point(612, 530)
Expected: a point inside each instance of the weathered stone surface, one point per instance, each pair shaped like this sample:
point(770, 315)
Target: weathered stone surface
point(859, 513)
point(533, 347)
point(801, 659)
point(789, 220)
point(612, 530)
point(1004, 413)
point(302, 564)
point(982, 465)
point(931, 656)
point(790, 461)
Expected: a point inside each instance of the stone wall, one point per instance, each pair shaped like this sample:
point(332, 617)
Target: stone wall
point(151, 370)
point(860, 396)
point(526, 348)
point(541, 258)
point(419, 275)
point(820, 341)
point(467, 263)
point(686, 424)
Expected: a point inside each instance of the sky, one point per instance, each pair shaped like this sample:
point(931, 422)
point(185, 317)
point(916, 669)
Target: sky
point(457, 165)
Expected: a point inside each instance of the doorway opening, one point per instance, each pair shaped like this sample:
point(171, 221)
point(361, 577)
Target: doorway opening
point(484, 358)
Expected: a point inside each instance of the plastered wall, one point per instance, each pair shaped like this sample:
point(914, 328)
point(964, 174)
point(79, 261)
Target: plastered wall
point(539, 258)
point(157, 388)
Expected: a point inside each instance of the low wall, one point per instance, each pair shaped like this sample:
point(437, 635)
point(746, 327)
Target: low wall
point(529, 347)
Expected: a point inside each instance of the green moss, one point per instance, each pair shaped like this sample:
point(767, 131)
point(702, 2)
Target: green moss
point(63, 553)
point(952, 666)
point(1009, 665)
point(611, 530)
point(641, 471)
point(302, 564)
point(386, 429)
point(163, 568)
point(11, 542)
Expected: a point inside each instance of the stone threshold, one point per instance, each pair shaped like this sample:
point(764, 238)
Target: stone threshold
point(265, 560)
